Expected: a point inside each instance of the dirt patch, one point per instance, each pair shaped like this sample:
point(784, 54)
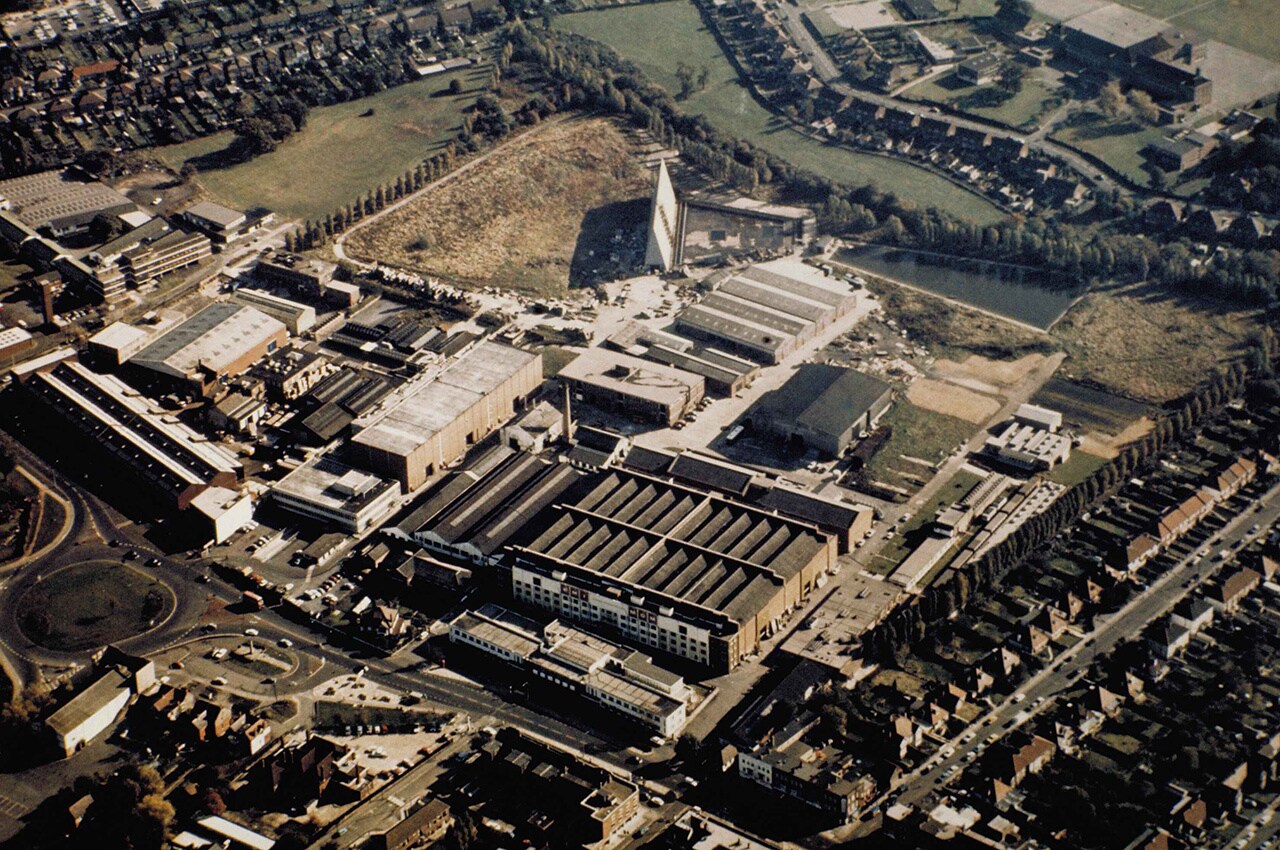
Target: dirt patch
point(540, 216)
point(1142, 343)
point(1107, 445)
point(962, 403)
point(999, 373)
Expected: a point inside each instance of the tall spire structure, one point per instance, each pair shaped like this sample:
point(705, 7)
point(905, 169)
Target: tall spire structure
point(664, 223)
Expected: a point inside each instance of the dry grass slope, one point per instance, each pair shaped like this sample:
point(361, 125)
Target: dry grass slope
point(517, 220)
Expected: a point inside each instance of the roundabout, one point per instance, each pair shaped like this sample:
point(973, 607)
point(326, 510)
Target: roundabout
point(90, 604)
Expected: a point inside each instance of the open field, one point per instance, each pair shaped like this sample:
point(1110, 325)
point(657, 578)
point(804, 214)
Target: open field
point(93, 604)
point(918, 435)
point(657, 36)
point(1141, 342)
point(960, 402)
point(1116, 143)
point(1088, 409)
point(1037, 98)
point(344, 152)
point(527, 220)
point(1077, 468)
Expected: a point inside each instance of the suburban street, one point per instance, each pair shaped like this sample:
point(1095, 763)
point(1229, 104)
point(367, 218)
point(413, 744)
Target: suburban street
point(1038, 693)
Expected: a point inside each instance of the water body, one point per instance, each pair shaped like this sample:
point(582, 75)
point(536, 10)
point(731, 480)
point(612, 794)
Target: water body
point(1022, 293)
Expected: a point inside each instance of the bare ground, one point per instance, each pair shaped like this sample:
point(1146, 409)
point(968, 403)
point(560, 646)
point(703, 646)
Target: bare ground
point(529, 220)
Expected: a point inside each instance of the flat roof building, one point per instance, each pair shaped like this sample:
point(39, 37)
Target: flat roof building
point(638, 388)
point(220, 341)
point(148, 442)
point(620, 679)
point(822, 408)
point(431, 421)
point(219, 222)
point(328, 490)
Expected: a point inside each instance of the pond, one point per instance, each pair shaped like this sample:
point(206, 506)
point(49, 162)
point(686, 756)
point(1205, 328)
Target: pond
point(1023, 293)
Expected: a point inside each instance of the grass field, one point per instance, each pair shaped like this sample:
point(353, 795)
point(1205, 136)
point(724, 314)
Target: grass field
point(913, 530)
point(920, 434)
point(93, 604)
point(1077, 468)
point(518, 221)
point(1117, 144)
point(1143, 343)
point(342, 153)
point(1036, 99)
point(657, 36)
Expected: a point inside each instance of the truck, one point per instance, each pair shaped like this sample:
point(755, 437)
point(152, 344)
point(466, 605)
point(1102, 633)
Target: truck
point(253, 600)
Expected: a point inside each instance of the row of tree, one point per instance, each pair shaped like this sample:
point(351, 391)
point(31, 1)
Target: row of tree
point(909, 623)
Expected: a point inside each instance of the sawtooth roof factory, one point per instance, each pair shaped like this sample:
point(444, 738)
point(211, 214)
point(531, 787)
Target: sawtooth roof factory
point(431, 421)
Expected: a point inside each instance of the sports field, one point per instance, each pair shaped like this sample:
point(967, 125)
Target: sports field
point(658, 36)
point(345, 151)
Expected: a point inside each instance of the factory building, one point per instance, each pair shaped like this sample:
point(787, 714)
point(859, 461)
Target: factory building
point(431, 421)
point(766, 312)
point(298, 318)
point(621, 680)
point(149, 443)
point(639, 389)
point(220, 341)
point(328, 490)
point(822, 407)
point(695, 574)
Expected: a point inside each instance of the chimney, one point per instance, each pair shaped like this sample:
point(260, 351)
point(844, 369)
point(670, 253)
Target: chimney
point(568, 415)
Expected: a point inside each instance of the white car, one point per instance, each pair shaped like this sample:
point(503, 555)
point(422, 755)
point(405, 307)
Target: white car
point(285, 642)
point(251, 632)
point(221, 680)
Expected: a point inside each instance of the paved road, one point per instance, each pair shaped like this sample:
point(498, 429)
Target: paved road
point(1038, 692)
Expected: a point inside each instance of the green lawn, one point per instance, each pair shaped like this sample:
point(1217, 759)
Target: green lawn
point(91, 605)
point(657, 36)
point(342, 153)
point(1117, 144)
point(1077, 468)
point(913, 530)
point(917, 433)
point(1034, 101)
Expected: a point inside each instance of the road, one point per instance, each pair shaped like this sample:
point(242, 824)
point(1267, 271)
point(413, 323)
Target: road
point(1038, 693)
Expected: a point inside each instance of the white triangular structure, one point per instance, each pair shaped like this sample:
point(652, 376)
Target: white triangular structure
point(664, 224)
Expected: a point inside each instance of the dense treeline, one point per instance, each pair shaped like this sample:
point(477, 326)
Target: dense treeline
point(585, 74)
point(1246, 174)
point(909, 623)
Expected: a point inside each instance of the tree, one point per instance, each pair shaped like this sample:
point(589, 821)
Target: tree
point(1013, 8)
point(703, 75)
point(1111, 100)
point(455, 86)
point(1144, 107)
point(684, 76)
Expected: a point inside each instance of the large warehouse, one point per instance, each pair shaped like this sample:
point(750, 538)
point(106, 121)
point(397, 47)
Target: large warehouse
point(653, 392)
point(822, 407)
point(767, 311)
point(108, 415)
point(683, 571)
point(222, 340)
point(431, 421)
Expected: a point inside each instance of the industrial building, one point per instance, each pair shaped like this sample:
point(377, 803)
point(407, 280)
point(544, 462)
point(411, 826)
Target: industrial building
point(150, 443)
point(89, 713)
point(298, 318)
point(328, 490)
point(472, 514)
point(639, 389)
point(822, 407)
point(147, 253)
point(289, 373)
point(430, 421)
point(60, 203)
point(1030, 441)
point(683, 571)
point(220, 223)
point(707, 228)
point(220, 341)
point(766, 312)
point(622, 680)
point(110, 347)
point(308, 277)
